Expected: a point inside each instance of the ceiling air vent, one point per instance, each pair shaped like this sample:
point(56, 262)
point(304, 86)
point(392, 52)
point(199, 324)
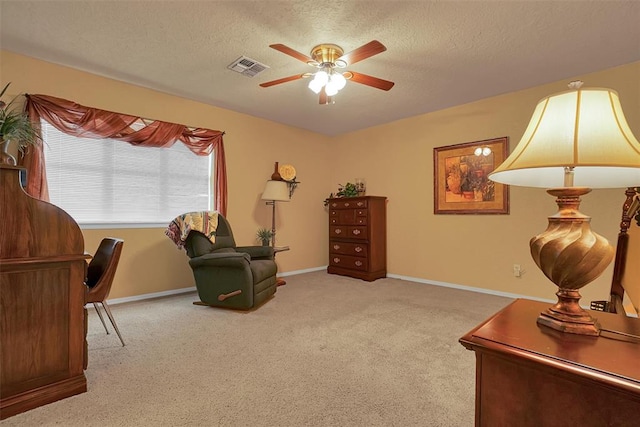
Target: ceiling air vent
point(247, 66)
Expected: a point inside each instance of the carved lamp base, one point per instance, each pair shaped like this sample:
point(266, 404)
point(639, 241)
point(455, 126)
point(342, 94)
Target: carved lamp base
point(571, 256)
point(567, 315)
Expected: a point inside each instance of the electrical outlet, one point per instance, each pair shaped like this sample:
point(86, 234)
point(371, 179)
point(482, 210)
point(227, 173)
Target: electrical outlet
point(516, 270)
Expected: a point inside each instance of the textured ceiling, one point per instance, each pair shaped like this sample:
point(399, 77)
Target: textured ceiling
point(439, 53)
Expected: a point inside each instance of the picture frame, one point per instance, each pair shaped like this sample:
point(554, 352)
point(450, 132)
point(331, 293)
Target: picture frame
point(460, 178)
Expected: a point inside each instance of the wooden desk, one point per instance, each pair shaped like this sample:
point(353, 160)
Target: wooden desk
point(43, 349)
point(530, 375)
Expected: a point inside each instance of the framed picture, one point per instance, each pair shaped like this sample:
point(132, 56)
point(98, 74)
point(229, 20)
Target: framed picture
point(461, 181)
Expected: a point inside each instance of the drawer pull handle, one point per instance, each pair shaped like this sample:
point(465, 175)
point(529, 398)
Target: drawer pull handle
point(338, 231)
point(358, 263)
point(336, 247)
point(336, 260)
point(360, 203)
point(358, 249)
point(356, 232)
point(333, 220)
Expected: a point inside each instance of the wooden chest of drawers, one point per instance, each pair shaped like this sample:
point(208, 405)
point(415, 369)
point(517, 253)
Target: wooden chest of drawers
point(358, 237)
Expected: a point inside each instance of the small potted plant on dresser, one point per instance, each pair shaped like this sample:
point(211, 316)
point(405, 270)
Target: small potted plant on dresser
point(347, 190)
point(264, 235)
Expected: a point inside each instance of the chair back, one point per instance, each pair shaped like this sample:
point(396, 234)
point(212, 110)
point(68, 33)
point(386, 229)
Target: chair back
point(626, 274)
point(198, 244)
point(102, 269)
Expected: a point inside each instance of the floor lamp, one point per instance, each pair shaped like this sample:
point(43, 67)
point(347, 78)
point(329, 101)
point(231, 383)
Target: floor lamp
point(576, 140)
point(275, 191)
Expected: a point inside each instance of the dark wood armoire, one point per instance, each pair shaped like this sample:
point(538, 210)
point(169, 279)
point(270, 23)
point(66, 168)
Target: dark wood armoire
point(42, 314)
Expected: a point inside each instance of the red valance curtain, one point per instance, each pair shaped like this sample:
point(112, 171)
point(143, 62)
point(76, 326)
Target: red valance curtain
point(78, 120)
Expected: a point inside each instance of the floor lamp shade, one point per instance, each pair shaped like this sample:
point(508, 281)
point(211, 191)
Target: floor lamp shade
point(276, 190)
point(576, 140)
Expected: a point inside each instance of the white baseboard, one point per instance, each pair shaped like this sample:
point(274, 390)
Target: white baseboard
point(193, 288)
point(309, 270)
point(436, 283)
point(467, 288)
point(151, 295)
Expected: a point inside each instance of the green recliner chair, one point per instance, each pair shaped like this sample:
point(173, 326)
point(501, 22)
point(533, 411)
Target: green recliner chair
point(227, 275)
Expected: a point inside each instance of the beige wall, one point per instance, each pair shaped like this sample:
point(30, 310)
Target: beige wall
point(397, 161)
point(475, 250)
point(150, 262)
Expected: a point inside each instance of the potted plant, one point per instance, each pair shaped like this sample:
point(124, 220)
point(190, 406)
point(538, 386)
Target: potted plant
point(15, 125)
point(347, 190)
point(264, 235)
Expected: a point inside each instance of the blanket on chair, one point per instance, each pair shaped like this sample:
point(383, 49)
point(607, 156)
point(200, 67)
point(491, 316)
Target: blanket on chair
point(205, 222)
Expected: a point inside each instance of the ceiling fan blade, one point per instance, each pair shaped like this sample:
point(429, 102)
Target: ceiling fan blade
point(283, 80)
point(363, 52)
point(369, 80)
point(294, 53)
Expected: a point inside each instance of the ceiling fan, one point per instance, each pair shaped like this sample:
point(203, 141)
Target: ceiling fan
point(329, 58)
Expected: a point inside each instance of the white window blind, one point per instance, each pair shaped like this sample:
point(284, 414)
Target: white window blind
point(108, 182)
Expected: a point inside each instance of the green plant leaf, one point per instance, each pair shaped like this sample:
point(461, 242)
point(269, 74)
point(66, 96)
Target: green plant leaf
point(16, 125)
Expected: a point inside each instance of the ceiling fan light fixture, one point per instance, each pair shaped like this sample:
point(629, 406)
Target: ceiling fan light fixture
point(315, 86)
point(322, 77)
point(338, 80)
point(331, 89)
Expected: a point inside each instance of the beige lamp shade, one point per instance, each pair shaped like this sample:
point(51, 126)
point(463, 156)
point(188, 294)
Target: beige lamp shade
point(276, 190)
point(584, 129)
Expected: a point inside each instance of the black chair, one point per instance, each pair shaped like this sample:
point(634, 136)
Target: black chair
point(227, 275)
point(623, 281)
point(100, 273)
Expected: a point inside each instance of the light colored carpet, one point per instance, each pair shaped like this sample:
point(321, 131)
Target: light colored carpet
point(327, 350)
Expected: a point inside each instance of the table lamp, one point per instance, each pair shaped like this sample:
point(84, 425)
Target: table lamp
point(275, 191)
point(576, 140)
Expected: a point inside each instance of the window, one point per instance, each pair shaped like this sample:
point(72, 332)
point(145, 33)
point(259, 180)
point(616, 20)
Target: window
point(103, 182)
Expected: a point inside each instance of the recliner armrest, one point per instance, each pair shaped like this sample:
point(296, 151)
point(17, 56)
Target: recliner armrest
point(227, 259)
point(257, 252)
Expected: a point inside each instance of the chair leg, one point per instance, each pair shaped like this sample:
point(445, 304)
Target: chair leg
point(95, 305)
point(113, 322)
